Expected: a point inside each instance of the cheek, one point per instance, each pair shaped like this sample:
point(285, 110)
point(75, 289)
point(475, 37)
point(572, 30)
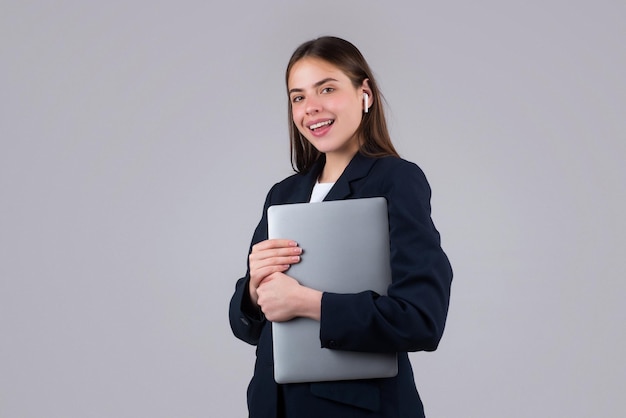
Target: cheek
point(296, 115)
point(348, 106)
point(352, 110)
point(296, 118)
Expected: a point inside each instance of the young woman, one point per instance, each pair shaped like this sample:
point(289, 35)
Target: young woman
point(341, 150)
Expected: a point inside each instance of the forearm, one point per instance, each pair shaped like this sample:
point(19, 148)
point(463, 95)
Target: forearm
point(411, 317)
point(368, 322)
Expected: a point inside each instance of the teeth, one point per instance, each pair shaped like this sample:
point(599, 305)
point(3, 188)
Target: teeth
point(320, 124)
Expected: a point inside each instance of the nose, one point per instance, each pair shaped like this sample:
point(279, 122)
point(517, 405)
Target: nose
point(313, 105)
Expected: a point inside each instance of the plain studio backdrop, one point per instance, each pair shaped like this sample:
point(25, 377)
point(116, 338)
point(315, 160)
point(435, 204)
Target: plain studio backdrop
point(138, 141)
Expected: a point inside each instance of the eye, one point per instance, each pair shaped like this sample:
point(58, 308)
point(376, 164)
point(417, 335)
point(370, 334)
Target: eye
point(296, 99)
point(328, 90)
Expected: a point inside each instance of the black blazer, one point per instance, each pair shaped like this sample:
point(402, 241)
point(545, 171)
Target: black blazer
point(410, 318)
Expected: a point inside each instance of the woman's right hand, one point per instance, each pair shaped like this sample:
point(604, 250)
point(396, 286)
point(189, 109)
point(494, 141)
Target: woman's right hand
point(270, 256)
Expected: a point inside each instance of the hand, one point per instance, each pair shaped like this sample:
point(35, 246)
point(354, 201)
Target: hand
point(282, 298)
point(268, 257)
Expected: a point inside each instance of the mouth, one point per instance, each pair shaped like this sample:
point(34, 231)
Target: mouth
point(321, 124)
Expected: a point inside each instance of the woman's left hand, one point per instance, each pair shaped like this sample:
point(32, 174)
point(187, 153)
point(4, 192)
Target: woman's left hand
point(282, 298)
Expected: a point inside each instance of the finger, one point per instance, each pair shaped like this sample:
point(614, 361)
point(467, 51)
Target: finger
point(278, 259)
point(274, 243)
point(258, 275)
point(272, 276)
point(275, 256)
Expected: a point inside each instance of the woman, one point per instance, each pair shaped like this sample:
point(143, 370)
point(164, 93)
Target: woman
point(341, 150)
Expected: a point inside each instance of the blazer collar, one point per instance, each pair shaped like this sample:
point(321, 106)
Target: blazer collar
point(358, 168)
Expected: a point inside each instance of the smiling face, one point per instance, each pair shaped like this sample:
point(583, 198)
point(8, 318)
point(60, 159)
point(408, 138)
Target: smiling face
point(326, 107)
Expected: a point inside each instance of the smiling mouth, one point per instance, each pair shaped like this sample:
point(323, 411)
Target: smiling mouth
point(321, 124)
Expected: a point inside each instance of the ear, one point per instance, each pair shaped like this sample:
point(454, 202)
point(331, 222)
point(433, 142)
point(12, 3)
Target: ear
point(365, 88)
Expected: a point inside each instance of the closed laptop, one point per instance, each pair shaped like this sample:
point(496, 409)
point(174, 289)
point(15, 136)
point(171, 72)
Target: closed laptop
point(345, 250)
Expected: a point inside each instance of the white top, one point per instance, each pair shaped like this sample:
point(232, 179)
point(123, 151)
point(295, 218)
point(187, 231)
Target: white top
point(320, 190)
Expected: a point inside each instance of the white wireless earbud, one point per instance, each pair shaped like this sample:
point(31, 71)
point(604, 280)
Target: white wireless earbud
point(366, 99)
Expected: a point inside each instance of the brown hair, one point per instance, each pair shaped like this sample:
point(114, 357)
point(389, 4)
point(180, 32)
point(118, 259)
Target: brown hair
point(374, 136)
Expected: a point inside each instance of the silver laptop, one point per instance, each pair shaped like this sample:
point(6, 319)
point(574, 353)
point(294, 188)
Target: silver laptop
point(345, 250)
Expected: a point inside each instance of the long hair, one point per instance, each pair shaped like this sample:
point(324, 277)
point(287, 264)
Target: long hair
point(374, 139)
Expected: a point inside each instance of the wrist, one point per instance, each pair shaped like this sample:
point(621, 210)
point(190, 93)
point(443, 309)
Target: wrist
point(311, 303)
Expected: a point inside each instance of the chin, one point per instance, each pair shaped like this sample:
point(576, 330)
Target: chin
point(325, 150)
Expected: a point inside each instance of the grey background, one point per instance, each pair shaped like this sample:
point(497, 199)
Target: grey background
point(138, 140)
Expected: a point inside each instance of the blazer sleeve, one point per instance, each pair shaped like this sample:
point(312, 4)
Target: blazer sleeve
point(412, 315)
point(247, 321)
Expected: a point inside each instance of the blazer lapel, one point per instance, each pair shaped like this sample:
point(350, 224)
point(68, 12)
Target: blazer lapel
point(302, 194)
point(358, 168)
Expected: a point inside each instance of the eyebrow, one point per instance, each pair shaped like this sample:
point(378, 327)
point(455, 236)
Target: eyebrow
point(319, 83)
